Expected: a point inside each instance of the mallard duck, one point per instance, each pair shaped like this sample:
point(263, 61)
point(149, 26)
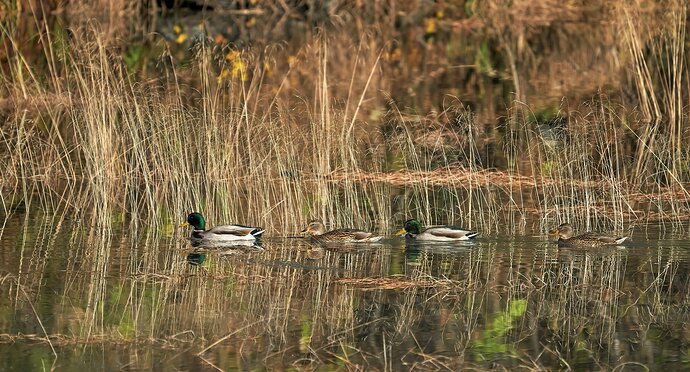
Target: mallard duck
point(413, 230)
point(221, 233)
point(564, 232)
point(318, 232)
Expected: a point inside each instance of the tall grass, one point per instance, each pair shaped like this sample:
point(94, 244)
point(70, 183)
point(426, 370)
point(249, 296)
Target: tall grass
point(278, 136)
point(257, 137)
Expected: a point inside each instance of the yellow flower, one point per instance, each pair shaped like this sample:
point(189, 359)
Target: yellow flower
point(181, 38)
point(177, 29)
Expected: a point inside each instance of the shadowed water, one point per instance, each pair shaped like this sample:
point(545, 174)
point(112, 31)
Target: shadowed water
point(118, 300)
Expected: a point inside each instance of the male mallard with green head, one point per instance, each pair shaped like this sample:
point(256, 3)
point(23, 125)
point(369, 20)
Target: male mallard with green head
point(413, 230)
point(317, 231)
point(220, 233)
point(564, 233)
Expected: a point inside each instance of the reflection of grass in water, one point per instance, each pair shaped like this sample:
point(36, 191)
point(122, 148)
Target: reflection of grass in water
point(492, 340)
point(584, 297)
point(121, 154)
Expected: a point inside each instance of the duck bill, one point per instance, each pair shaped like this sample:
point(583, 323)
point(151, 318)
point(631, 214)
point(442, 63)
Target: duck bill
point(401, 232)
point(184, 224)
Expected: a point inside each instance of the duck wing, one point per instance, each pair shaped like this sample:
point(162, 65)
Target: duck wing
point(238, 230)
point(361, 235)
point(342, 233)
point(593, 236)
point(346, 234)
point(453, 232)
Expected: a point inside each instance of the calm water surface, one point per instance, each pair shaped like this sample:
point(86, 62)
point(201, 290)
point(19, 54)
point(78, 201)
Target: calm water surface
point(119, 300)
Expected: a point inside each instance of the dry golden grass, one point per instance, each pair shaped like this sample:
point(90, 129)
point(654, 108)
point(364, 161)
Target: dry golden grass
point(278, 136)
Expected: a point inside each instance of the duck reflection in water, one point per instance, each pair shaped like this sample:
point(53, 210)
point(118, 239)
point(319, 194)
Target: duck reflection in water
point(412, 255)
point(196, 258)
point(242, 245)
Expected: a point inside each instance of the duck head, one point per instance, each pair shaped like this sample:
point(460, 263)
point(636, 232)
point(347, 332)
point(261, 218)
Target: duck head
point(563, 231)
point(195, 219)
point(314, 228)
point(412, 227)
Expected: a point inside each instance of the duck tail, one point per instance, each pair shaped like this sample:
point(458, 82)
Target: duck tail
point(257, 232)
point(621, 240)
point(471, 234)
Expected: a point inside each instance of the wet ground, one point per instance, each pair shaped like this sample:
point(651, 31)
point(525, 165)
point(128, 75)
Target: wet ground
point(115, 300)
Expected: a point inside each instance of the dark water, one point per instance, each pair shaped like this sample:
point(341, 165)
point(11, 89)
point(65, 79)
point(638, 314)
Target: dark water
point(118, 300)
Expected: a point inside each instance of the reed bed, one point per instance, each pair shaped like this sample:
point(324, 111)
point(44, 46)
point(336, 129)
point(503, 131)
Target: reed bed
point(101, 158)
point(231, 133)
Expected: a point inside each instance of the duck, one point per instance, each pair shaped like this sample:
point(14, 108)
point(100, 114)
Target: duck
point(442, 233)
point(565, 233)
point(317, 231)
point(220, 234)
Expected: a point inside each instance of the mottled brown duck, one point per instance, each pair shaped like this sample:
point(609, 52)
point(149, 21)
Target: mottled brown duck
point(317, 231)
point(564, 233)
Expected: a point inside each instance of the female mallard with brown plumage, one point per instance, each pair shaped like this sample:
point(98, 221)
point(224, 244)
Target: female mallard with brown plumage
point(565, 233)
point(317, 231)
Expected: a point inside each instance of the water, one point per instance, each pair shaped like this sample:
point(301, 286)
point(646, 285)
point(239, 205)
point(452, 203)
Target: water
point(118, 300)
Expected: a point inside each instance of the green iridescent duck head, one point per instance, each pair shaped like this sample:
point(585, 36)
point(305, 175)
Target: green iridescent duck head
point(195, 219)
point(412, 226)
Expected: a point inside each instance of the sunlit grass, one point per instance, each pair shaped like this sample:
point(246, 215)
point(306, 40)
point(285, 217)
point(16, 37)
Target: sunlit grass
point(225, 135)
point(103, 153)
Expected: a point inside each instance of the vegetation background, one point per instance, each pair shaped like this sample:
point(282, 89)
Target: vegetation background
point(498, 115)
point(119, 117)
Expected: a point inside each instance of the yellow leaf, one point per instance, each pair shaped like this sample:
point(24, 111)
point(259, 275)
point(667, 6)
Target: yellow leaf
point(430, 25)
point(232, 55)
point(396, 55)
point(292, 60)
point(239, 68)
point(223, 75)
point(181, 38)
point(219, 39)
